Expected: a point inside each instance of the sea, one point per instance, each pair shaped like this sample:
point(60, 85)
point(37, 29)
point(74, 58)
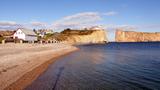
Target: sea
point(111, 66)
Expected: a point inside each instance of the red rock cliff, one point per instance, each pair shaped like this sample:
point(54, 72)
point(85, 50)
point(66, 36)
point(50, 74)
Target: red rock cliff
point(132, 36)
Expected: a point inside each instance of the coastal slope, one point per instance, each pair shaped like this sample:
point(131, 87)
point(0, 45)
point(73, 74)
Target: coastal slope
point(132, 36)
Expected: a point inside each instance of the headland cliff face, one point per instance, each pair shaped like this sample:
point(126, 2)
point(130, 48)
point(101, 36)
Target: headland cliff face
point(84, 36)
point(132, 36)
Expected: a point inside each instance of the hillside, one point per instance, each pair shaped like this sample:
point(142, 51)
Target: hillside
point(82, 36)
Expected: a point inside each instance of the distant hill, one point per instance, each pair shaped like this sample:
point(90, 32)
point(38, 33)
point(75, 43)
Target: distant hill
point(6, 35)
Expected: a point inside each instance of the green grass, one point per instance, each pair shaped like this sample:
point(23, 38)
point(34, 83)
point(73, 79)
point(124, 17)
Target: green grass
point(77, 32)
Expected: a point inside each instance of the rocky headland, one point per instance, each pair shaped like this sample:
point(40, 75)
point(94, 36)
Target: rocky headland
point(132, 36)
point(83, 36)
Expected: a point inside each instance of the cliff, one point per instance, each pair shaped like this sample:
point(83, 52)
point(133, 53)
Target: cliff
point(132, 36)
point(83, 36)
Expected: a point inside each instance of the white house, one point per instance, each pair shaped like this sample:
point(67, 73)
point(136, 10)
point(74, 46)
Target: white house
point(25, 34)
point(96, 28)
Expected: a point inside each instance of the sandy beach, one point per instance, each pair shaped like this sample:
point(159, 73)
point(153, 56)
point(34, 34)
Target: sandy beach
point(20, 64)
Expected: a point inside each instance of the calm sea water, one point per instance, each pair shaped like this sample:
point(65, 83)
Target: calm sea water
point(114, 66)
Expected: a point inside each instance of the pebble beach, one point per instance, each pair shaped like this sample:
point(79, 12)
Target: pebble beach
point(18, 60)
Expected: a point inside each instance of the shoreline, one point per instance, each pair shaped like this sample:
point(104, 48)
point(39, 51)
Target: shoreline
point(20, 73)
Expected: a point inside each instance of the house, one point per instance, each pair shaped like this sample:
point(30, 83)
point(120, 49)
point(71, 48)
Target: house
point(96, 28)
point(43, 32)
point(25, 34)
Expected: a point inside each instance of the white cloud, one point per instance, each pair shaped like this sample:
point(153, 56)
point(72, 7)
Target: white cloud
point(149, 26)
point(36, 23)
point(7, 23)
point(111, 13)
point(10, 25)
point(112, 28)
point(77, 20)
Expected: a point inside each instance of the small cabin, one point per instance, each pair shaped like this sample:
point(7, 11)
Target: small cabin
point(25, 35)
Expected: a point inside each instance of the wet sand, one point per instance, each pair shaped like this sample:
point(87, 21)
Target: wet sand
point(20, 64)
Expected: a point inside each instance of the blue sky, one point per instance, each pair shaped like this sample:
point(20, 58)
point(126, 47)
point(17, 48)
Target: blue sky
point(139, 15)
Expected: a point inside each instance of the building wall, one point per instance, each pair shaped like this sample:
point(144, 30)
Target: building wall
point(19, 34)
point(30, 38)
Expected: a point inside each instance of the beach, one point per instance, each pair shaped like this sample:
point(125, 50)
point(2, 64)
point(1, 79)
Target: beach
point(20, 64)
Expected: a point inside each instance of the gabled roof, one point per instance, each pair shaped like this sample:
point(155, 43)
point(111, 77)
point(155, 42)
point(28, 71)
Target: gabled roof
point(27, 31)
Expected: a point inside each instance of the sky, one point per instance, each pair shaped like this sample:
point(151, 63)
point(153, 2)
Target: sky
point(135, 15)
